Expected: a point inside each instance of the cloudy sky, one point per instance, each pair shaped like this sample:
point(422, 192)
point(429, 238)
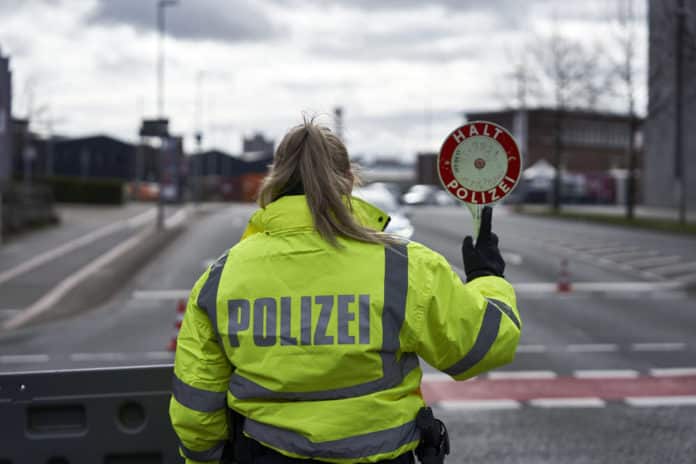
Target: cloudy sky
point(403, 70)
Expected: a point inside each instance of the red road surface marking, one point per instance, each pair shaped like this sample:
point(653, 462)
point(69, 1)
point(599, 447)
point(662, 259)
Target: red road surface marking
point(562, 387)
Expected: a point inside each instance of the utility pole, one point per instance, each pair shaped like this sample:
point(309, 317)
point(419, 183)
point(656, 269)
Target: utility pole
point(338, 122)
point(196, 165)
point(161, 25)
point(679, 174)
point(161, 5)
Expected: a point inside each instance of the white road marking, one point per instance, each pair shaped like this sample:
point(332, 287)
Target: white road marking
point(654, 261)
point(49, 300)
point(666, 346)
point(593, 248)
point(458, 405)
point(531, 349)
point(630, 254)
point(171, 294)
point(23, 358)
point(79, 242)
point(177, 218)
point(592, 348)
point(606, 251)
point(568, 402)
point(507, 375)
point(437, 377)
point(159, 355)
point(606, 374)
point(537, 288)
point(655, 401)
point(673, 371)
point(532, 288)
point(78, 357)
point(629, 287)
point(674, 268)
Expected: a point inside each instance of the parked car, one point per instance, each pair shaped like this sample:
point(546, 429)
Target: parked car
point(399, 223)
point(424, 194)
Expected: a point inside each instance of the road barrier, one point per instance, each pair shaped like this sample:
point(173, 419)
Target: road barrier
point(180, 310)
point(109, 416)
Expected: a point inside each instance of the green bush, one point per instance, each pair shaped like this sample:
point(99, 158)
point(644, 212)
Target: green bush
point(92, 191)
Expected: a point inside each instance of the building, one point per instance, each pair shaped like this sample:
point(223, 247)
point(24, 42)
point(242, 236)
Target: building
point(591, 141)
point(257, 147)
point(5, 119)
point(389, 170)
point(218, 175)
point(594, 153)
point(665, 164)
point(98, 156)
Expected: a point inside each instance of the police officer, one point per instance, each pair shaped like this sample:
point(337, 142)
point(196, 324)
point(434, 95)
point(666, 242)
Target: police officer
point(310, 328)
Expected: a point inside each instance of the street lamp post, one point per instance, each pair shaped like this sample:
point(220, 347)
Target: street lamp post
point(161, 24)
point(161, 6)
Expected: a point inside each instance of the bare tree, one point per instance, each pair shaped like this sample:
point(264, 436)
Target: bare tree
point(520, 87)
point(568, 72)
point(625, 73)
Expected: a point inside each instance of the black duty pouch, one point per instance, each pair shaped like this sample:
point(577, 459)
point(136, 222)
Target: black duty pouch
point(238, 447)
point(434, 444)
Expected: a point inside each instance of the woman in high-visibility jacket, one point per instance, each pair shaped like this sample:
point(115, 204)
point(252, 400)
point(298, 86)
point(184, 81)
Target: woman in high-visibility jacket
point(310, 328)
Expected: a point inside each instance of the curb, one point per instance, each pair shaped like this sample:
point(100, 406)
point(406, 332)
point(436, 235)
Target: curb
point(95, 283)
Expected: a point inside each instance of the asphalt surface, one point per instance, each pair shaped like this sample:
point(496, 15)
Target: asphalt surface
point(604, 373)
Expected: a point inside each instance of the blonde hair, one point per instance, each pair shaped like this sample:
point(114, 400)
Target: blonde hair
point(312, 160)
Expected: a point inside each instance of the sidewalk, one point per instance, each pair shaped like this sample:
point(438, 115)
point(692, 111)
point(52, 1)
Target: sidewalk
point(81, 261)
point(75, 221)
point(641, 212)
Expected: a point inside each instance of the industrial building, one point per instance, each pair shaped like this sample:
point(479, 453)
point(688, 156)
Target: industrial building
point(594, 153)
point(669, 164)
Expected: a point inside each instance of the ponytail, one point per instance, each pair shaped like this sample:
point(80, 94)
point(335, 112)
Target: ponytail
point(311, 159)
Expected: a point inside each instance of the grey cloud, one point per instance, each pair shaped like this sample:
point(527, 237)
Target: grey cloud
point(218, 20)
point(8, 7)
point(512, 13)
point(429, 43)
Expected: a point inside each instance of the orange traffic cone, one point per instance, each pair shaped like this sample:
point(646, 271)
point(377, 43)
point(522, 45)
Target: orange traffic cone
point(564, 285)
point(180, 310)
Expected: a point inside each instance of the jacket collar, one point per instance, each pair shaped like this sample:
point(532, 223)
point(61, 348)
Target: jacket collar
point(291, 212)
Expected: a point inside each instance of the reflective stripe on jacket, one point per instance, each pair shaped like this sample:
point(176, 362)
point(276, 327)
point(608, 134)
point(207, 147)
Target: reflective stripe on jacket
point(318, 346)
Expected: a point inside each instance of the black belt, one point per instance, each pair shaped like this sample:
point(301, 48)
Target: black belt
point(263, 455)
point(244, 450)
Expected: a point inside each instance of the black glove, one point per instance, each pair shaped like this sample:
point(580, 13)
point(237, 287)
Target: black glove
point(484, 259)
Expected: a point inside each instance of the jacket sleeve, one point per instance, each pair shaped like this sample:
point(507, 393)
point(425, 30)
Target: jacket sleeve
point(462, 329)
point(198, 406)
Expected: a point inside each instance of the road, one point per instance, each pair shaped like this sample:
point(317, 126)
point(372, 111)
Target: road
point(604, 373)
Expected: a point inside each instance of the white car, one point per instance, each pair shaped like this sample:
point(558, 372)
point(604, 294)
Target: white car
point(423, 194)
point(382, 198)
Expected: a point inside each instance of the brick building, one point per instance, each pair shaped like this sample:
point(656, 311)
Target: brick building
point(592, 142)
point(594, 152)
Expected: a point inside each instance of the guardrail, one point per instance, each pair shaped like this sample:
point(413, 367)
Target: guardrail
point(108, 416)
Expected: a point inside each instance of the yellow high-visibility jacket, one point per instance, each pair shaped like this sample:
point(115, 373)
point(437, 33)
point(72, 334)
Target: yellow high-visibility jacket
point(318, 346)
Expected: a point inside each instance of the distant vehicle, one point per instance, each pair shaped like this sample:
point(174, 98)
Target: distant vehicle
point(382, 198)
point(424, 194)
point(393, 188)
point(145, 191)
